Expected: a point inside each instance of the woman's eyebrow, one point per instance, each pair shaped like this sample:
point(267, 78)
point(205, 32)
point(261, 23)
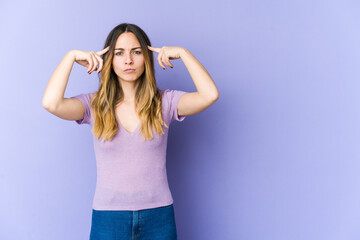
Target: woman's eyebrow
point(123, 49)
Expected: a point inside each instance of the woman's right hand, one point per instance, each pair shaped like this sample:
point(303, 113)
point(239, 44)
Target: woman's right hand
point(90, 59)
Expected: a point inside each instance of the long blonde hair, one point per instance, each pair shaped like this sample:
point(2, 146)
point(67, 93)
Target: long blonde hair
point(110, 92)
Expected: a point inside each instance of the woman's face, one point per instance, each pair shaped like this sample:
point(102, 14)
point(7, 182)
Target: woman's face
point(128, 55)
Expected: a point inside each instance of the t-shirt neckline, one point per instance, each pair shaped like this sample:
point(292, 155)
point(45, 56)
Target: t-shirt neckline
point(126, 131)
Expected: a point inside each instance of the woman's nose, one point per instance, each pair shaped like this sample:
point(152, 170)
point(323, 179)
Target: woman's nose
point(128, 59)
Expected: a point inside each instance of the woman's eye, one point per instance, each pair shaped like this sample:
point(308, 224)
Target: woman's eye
point(136, 52)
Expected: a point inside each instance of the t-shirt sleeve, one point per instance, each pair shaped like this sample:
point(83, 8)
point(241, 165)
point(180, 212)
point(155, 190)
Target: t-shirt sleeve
point(172, 97)
point(85, 99)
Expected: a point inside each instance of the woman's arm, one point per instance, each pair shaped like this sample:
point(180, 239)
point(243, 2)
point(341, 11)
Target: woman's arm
point(55, 89)
point(207, 93)
point(203, 82)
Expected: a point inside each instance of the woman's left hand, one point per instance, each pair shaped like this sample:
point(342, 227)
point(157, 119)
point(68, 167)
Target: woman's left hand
point(166, 53)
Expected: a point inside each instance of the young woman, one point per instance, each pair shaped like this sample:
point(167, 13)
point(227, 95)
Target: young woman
point(130, 119)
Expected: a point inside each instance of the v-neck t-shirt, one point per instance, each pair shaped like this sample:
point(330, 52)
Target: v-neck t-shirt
point(131, 172)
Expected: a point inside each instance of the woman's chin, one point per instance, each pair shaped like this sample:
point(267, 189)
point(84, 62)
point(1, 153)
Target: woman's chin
point(129, 79)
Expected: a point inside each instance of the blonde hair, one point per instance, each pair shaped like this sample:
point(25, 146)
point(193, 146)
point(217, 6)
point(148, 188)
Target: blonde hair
point(110, 92)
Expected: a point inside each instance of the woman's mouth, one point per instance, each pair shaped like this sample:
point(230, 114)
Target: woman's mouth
point(129, 70)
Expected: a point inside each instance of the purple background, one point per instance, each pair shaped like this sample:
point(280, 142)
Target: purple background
point(276, 157)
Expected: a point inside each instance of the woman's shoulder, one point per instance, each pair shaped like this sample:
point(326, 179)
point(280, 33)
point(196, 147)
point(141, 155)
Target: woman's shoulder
point(165, 94)
point(170, 99)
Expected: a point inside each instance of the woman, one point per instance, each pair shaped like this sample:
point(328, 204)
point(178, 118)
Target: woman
point(130, 118)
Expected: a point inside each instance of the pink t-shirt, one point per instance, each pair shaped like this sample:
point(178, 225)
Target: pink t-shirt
point(131, 172)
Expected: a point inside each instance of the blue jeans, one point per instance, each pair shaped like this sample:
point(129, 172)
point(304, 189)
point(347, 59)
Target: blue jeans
point(147, 224)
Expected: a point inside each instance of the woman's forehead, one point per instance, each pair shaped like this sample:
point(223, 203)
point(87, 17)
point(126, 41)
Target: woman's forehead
point(127, 41)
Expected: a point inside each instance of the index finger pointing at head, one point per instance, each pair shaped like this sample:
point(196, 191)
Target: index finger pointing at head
point(103, 51)
point(154, 49)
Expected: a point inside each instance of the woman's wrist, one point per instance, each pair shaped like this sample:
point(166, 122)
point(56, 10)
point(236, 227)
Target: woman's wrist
point(71, 54)
point(183, 52)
